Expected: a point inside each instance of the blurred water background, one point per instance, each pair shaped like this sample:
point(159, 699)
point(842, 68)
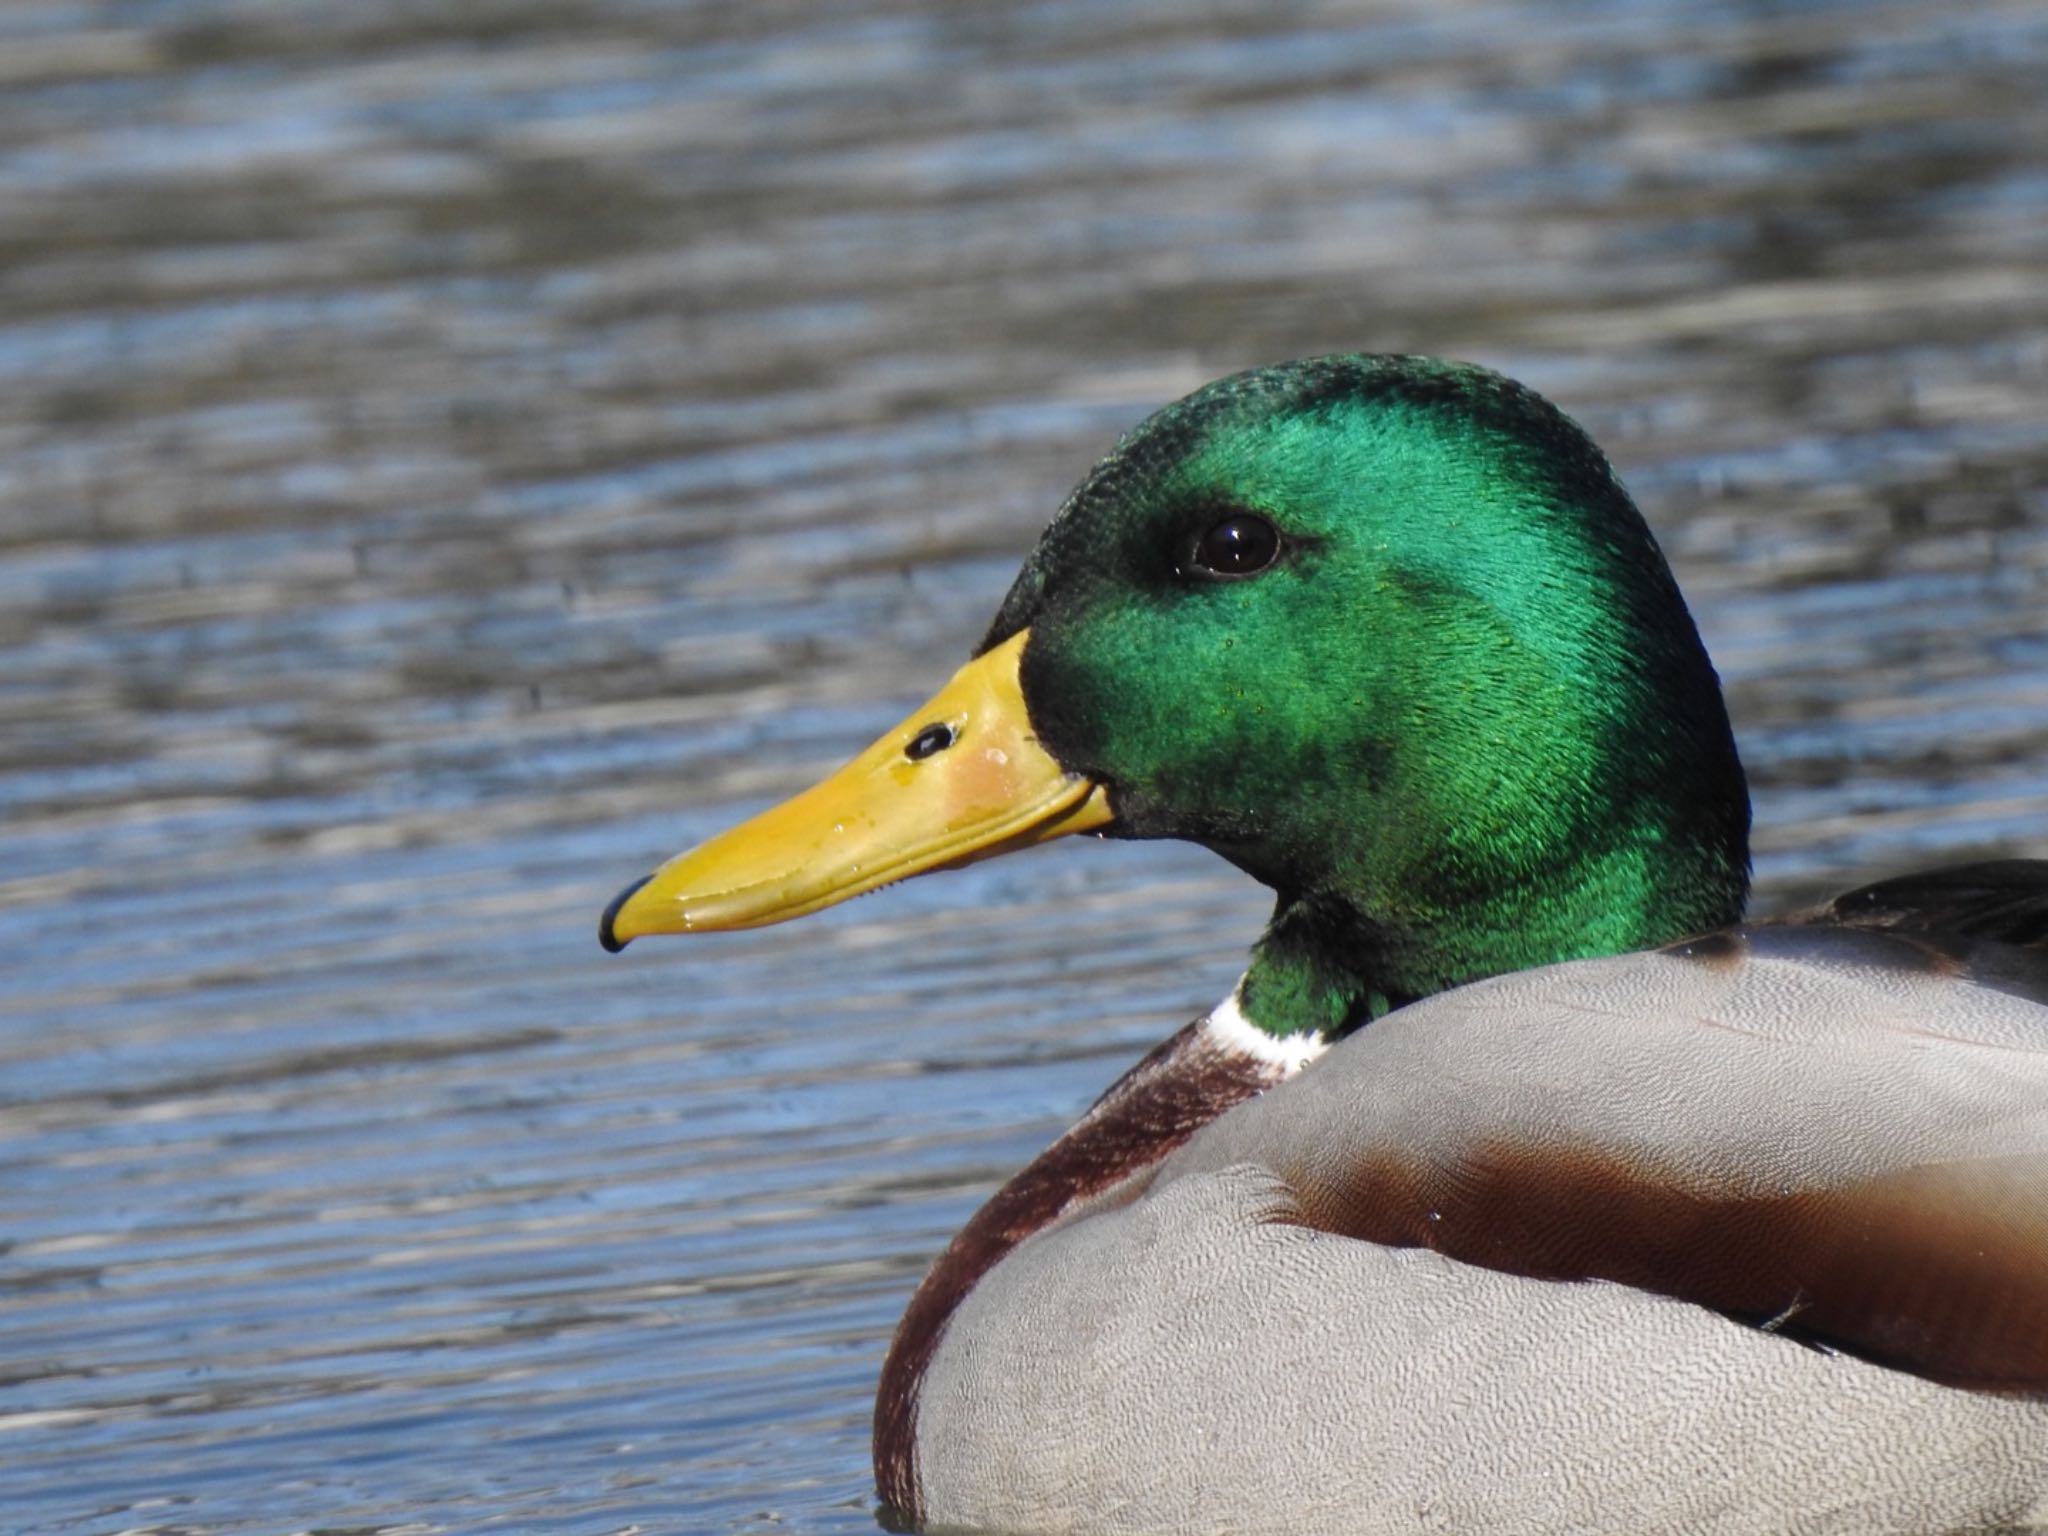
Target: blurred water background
point(455, 454)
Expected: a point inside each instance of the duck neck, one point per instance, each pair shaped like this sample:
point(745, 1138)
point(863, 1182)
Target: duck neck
point(1331, 961)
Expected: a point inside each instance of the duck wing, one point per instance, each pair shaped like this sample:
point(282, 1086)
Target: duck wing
point(2000, 901)
point(1837, 1132)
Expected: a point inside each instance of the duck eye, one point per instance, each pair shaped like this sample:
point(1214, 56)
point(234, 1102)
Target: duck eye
point(1242, 544)
point(934, 738)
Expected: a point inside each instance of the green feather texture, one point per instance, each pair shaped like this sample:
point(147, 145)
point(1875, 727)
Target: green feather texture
point(1462, 724)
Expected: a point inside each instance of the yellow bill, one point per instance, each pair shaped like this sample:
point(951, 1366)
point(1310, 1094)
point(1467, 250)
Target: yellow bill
point(962, 779)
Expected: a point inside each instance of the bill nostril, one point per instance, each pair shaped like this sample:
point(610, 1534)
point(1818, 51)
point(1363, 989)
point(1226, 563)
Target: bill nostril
point(930, 741)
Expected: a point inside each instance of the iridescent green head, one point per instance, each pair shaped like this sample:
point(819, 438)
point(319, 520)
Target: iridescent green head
point(1385, 632)
point(1388, 634)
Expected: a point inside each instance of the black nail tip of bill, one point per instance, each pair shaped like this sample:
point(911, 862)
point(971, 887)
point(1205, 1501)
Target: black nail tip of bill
point(611, 941)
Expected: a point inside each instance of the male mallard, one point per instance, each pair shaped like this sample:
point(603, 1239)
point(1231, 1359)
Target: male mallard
point(1746, 1232)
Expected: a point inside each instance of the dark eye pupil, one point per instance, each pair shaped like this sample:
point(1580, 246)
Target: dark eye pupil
point(1238, 545)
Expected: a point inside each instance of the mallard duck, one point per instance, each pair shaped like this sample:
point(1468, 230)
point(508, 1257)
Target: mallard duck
point(1517, 1186)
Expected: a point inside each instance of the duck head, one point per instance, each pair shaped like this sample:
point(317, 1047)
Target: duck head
point(1386, 633)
